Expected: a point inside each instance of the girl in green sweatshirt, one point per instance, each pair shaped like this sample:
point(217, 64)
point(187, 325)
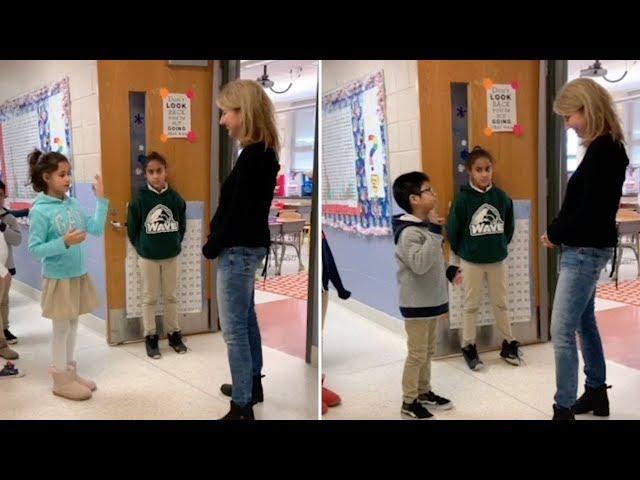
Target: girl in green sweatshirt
point(480, 228)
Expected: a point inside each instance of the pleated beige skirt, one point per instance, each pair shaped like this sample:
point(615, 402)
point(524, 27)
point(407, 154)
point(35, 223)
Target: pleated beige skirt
point(68, 298)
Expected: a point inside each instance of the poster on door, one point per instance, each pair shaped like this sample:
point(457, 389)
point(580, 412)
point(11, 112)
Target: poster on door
point(501, 108)
point(519, 286)
point(176, 115)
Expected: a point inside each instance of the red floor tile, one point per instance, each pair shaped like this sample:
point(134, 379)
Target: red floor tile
point(283, 325)
point(627, 292)
point(295, 286)
point(620, 332)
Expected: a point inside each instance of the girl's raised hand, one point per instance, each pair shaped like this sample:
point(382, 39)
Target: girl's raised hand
point(98, 187)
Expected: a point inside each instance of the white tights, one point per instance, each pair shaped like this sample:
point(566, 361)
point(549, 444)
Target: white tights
point(64, 342)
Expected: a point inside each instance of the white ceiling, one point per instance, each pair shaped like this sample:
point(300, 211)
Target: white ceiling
point(304, 87)
point(615, 69)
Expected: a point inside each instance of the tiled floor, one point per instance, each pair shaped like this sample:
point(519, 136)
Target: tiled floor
point(133, 386)
point(363, 363)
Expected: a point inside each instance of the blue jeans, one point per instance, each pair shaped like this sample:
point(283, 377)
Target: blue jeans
point(574, 312)
point(236, 308)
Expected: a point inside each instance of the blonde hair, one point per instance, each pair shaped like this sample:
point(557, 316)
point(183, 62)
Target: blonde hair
point(596, 104)
point(256, 111)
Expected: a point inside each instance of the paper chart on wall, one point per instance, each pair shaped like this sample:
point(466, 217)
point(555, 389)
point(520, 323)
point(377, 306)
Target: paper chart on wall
point(189, 291)
point(518, 277)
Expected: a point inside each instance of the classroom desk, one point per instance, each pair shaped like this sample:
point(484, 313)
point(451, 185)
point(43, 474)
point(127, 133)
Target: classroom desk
point(628, 222)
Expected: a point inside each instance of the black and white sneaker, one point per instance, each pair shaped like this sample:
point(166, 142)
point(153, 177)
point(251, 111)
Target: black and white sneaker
point(470, 354)
point(175, 342)
point(10, 371)
point(510, 352)
point(432, 400)
point(10, 337)
point(415, 410)
point(151, 342)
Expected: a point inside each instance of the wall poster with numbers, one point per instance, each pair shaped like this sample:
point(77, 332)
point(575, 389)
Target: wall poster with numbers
point(356, 193)
point(40, 119)
point(519, 268)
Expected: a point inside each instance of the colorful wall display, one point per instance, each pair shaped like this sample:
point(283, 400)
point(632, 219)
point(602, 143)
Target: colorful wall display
point(355, 170)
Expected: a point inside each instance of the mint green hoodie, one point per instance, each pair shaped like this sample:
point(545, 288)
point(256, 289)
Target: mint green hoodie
point(50, 219)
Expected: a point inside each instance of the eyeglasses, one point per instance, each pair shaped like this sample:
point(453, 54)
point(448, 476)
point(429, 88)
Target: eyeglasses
point(430, 190)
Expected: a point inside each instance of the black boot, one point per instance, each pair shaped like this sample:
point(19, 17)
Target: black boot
point(257, 395)
point(593, 400)
point(560, 413)
point(239, 413)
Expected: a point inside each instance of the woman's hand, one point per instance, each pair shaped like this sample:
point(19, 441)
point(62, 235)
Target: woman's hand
point(546, 242)
point(98, 187)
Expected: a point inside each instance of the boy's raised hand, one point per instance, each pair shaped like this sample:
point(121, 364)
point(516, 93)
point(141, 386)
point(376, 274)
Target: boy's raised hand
point(457, 280)
point(435, 218)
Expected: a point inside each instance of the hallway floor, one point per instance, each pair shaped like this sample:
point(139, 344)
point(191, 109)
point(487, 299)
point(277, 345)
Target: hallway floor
point(363, 363)
point(134, 386)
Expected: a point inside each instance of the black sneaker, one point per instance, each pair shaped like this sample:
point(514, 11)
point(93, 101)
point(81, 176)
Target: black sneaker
point(560, 413)
point(239, 413)
point(10, 371)
point(415, 410)
point(510, 352)
point(257, 394)
point(432, 400)
point(470, 354)
point(175, 342)
point(151, 341)
point(11, 338)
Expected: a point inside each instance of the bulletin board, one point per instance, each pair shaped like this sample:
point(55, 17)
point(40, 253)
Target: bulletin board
point(519, 286)
point(40, 119)
point(356, 193)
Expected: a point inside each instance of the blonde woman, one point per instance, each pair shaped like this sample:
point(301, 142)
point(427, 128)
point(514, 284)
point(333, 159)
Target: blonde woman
point(239, 236)
point(585, 231)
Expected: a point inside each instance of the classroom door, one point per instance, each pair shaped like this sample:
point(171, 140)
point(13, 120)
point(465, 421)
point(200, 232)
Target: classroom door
point(131, 119)
point(453, 114)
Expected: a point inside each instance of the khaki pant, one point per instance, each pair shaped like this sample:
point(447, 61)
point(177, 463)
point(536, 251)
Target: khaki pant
point(421, 345)
point(4, 306)
point(159, 275)
point(4, 289)
point(473, 275)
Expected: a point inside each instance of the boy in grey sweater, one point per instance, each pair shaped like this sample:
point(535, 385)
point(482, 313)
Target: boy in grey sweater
point(422, 276)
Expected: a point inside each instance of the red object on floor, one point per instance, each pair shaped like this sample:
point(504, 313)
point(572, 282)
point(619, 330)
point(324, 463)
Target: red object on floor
point(295, 286)
point(627, 292)
point(620, 332)
point(332, 399)
point(283, 325)
point(325, 408)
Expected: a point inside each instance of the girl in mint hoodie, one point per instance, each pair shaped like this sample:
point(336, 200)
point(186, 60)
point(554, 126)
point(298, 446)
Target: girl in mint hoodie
point(58, 228)
point(480, 228)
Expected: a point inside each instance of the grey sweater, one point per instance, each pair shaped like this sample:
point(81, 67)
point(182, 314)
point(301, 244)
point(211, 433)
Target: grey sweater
point(12, 235)
point(422, 272)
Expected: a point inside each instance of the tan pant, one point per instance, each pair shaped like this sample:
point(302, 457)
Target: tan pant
point(421, 345)
point(4, 306)
point(157, 274)
point(473, 275)
point(4, 289)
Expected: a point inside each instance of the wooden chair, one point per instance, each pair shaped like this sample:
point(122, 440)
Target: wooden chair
point(290, 237)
